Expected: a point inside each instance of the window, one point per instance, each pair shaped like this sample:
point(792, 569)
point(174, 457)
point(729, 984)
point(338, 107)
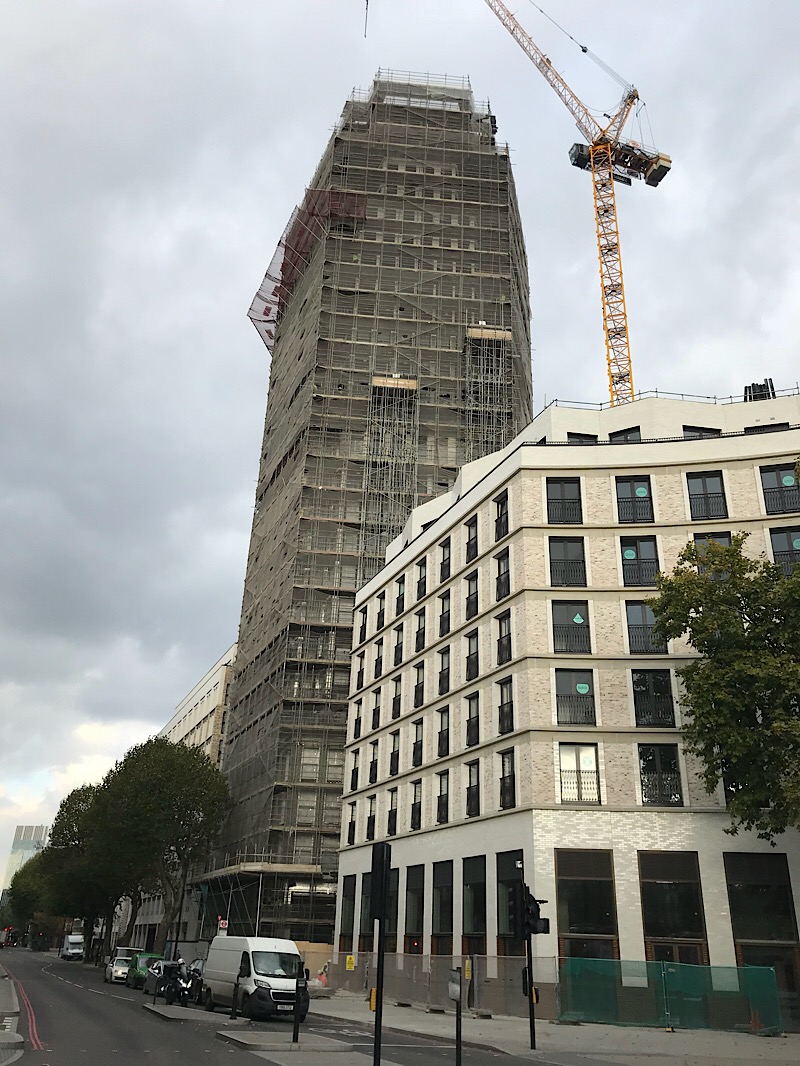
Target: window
point(442, 917)
point(398, 644)
point(391, 821)
point(564, 501)
point(639, 560)
point(471, 607)
point(660, 775)
point(704, 539)
point(575, 697)
point(510, 934)
point(586, 904)
point(443, 799)
point(581, 438)
point(371, 800)
point(471, 667)
point(380, 621)
point(767, 427)
point(781, 491)
point(397, 696)
point(503, 579)
point(419, 636)
point(693, 432)
point(505, 715)
point(378, 658)
point(786, 548)
point(419, 684)
point(580, 781)
point(444, 560)
point(642, 639)
point(625, 436)
point(443, 739)
point(348, 909)
point(394, 753)
point(652, 699)
point(473, 896)
point(567, 565)
point(354, 771)
point(444, 614)
point(503, 638)
point(376, 709)
point(473, 720)
point(351, 825)
point(471, 527)
point(415, 909)
point(373, 761)
point(672, 907)
point(571, 626)
point(360, 670)
point(760, 895)
point(444, 671)
point(416, 747)
point(357, 720)
point(422, 578)
point(706, 495)
point(362, 629)
point(473, 789)
point(508, 787)
point(400, 599)
point(416, 804)
point(501, 516)
point(634, 499)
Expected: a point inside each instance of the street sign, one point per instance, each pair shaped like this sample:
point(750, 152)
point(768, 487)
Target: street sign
point(454, 986)
point(222, 927)
point(350, 962)
point(467, 969)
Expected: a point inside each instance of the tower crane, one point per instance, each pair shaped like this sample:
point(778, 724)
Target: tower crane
point(610, 158)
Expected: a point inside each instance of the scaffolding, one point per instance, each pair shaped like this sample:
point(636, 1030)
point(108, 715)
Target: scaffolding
point(397, 315)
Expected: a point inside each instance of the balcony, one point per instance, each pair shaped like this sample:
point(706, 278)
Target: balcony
point(471, 666)
point(503, 649)
point(396, 706)
point(505, 718)
point(472, 605)
point(472, 549)
point(356, 729)
point(416, 753)
point(564, 512)
point(351, 832)
point(370, 827)
point(442, 809)
point(501, 526)
point(580, 786)
point(398, 654)
point(508, 792)
point(642, 640)
point(566, 573)
point(473, 732)
point(419, 693)
point(362, 633)
point(378, 667)
point(422, 587)
point(572, 639)
point(473, 800)
point(354, 779)
point(662, 789)
point(574, 709)
point(443, 743)
point(380, 621)
point(373, 772)
point(708, 505)
point(400, 603)
point(376, 717)
point(444, 623)
point(787, 561)
point(502, 585)
point(394, 763)
point(654, 712)
point(444, 570)
point(635, 510)
point(360, 678)
point(639, 571)
point(391, 824)
point(416, 815)
point(783, 500)
point(419, 639)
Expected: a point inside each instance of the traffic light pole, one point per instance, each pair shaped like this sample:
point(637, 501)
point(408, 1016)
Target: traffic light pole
point(379, 883)
point(531, 1007)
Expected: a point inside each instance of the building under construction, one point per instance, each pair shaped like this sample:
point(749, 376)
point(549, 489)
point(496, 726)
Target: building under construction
point(396, 312)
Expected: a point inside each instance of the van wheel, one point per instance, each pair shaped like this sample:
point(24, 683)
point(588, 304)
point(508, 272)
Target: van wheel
point(208, 1000)
point(244, 1009)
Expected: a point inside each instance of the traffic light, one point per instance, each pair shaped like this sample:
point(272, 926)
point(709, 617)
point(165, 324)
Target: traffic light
point(534, 923)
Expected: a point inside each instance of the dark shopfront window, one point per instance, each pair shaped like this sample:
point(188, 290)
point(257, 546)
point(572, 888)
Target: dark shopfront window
point(392, 900)
point(365, 936)
point(510, 936)
point(415, 909)
point(672, 907)
point(442, 930)
point(347, 922)
point(473, 921)
point(586, 908)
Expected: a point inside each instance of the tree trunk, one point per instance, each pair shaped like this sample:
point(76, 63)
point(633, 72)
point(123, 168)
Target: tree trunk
point(136, 902)
point(172, 902)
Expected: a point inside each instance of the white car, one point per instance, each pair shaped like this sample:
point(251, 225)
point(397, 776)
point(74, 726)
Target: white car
point(116, 970)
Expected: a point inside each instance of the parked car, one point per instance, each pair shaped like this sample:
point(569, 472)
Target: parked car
point(139, 965)
point(116, 970)
point(154, 978)
point(196, 973)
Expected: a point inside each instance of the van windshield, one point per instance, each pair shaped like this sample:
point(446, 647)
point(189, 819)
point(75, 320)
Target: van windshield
point(276, 964)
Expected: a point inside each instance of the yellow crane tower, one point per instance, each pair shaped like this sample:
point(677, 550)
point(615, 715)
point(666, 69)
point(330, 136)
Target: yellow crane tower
point(610, 159)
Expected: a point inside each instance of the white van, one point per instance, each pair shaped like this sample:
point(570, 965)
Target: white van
point(267, 972)
point(72, 948)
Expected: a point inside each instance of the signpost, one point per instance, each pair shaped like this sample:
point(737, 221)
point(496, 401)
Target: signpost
point(454, 993)
point(534, 924)
point(379, 892)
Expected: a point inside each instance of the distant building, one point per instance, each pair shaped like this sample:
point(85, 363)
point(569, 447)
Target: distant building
point(28, 840)
point(526, 721)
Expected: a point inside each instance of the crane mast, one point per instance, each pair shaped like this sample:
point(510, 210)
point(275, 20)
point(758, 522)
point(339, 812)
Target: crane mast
point(610, 159)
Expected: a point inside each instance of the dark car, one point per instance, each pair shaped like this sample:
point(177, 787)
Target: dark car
point(156, 977)
point(140, 964)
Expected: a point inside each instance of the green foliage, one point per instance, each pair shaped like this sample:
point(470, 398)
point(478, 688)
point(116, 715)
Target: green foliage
point(742, 693)
point(27, 891)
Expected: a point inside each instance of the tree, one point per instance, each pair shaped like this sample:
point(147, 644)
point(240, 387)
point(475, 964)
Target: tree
point(741, 615)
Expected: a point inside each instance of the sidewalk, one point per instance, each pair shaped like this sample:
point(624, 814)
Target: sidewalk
point(573, 1045)
point(10, 1041)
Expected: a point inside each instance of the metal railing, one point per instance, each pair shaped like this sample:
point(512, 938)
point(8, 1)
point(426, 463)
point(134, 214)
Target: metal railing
point(574, 709)
point(635, 509)
point(708, 505)
point(564, 512)
point(653, 711)
point(783, 500)
point(571, 638)
point(508, 792)
point(473, 800)
point(642, 640)
point(661, 788)
point(580, 786)
point(568, 572)
point(639, 571)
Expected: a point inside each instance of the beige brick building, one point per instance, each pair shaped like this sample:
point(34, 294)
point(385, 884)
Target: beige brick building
point(513, 715)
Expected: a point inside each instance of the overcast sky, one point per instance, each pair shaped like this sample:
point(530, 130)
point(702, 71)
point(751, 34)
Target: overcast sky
point(151, 153)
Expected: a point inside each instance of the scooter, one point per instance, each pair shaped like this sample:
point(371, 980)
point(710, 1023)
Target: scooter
point(177, 984)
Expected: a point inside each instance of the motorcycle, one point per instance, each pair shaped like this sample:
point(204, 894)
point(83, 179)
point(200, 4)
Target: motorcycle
point(177, 984)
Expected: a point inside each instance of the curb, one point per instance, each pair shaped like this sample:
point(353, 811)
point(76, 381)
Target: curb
point(11, 1047)
point(266, 1042)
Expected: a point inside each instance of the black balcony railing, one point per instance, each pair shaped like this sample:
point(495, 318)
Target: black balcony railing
point(503, 649)
point(356, 729)
point(416, 753)
point(444, 569)
point(422, 587)
point(362, 633)
point(419, 693)
point(637, 509)
point(574, 709)
point(354, 779)
point(376, 717)
point(571, 639)
point(443, 743)
point(416, 815)
point(378, 666)
point(444, 623)
point(568, 572)
point(400, 603)
point(473, 800)
point(419, 639)
point(370, 827)
point(360, 678)
point(564, 512)
point(643, 641)
point(373, 772)
point(391, 824)
point(662, 789)
point(505, 718)
point(654, 711)
point(508, 792)
point(787, 561)
point(398, 654)
point(472, 605)
point(444, 681)
point(784, 500)
point(394, 763)
point(395, 706)
point(708, 505)
point(442, 808)
point(580, 786)
point(503, 585)
point(501, 526)
point(472, 549)
point(472, 666)
point(351, 832)
point(473, 732)
point(639, 571)
point(380, 621)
